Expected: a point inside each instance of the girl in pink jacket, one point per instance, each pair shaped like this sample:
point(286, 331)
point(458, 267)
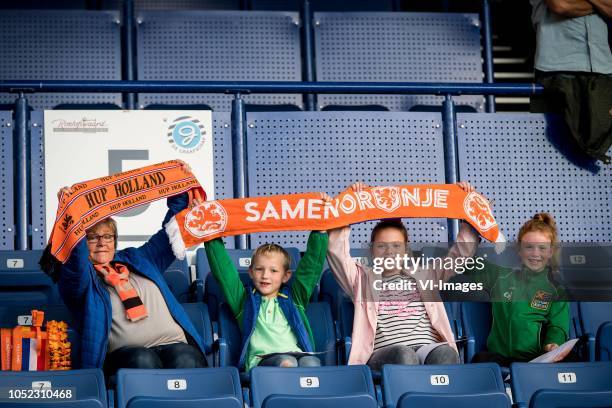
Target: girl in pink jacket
point(395, 314)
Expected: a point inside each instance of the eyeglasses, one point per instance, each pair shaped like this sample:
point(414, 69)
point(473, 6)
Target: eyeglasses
point(106, 238)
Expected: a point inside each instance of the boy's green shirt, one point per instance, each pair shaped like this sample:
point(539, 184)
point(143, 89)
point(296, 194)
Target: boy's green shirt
point(305, 278)
point(526, 312)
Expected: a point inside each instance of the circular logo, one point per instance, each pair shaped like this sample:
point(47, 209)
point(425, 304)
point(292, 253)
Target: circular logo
point(186, 134)
point(206, 219)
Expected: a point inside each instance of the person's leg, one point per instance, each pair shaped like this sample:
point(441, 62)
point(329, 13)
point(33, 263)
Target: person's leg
point(397, 354)
point(281, 360)
point(443, 354)
point(180, 355)
point(131, 357)
point(490, 357)
point(309, 361)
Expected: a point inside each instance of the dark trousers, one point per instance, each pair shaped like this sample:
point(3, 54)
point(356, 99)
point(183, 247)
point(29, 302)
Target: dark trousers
point(176, 355)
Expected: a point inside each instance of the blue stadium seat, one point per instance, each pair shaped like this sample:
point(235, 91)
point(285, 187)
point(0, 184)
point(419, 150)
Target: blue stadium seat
point(433, 386)
point(178, 277)
point(175, 4)
point(323, 387)
point(86, 388)
point(586, 271)
point(477, 319)
point(225, 46)
point(61, 44)
point(562, 384)
point(189, 388)
point(323, 5)
point(198, 314)
point(322, 325)
point(319, 316)
point(595, 319)
point(23, 283)
point(603, 352)
point(43, 4)
point(397, 47)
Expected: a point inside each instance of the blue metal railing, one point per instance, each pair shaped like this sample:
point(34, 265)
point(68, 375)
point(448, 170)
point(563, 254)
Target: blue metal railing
point(246, 87)
point(238, 89)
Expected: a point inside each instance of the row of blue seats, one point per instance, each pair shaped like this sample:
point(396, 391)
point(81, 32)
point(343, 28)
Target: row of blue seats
point(331, 310)
point(460, 386)
point(241, 45)
point(294, 5)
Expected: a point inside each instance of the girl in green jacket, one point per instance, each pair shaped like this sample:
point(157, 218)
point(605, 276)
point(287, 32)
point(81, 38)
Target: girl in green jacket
point(528, 317)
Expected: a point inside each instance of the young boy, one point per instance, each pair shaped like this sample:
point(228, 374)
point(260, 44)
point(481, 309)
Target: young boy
point(271, 314)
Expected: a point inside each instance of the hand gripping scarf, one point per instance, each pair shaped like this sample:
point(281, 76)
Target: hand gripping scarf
point(95, 200)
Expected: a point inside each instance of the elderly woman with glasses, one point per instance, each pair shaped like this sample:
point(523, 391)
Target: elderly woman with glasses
point(124, 311)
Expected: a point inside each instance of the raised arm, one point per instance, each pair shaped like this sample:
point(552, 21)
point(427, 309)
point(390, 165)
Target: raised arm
point(226, 274)
point(75, 277)
point(310, 267)
point(603, 6)
point(571, 8)
point(158, 249)
point(340, 261)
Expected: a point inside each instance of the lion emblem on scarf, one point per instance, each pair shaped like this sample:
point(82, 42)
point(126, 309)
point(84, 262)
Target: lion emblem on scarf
point(386, 198)
point(206, 219)
point(479, 211)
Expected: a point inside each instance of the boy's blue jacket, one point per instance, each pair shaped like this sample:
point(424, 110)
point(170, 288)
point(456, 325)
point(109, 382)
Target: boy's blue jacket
point(88, 300)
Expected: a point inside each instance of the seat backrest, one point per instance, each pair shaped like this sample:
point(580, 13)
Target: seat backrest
point(82, 388)
point(439, 379)
point(593, 315)
point(322, 386)
point(322, 325)
point(229, 330)
point(198, 314)
point(345, 319)
point(586, 271)
point(331, 292)
point(225, 46)
point(22, 282)
point(178, 277)
point(604, 342)
point(61, 44)
point(397, 46)
point(192, 387)
point(477, 320)
point(528, 378)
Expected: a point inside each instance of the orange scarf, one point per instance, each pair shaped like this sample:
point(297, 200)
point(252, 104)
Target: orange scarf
point(94, 200)
point(306, 211)
point(118, 276)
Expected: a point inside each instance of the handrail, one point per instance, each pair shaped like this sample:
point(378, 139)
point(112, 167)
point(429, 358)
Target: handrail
point(246, 87)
